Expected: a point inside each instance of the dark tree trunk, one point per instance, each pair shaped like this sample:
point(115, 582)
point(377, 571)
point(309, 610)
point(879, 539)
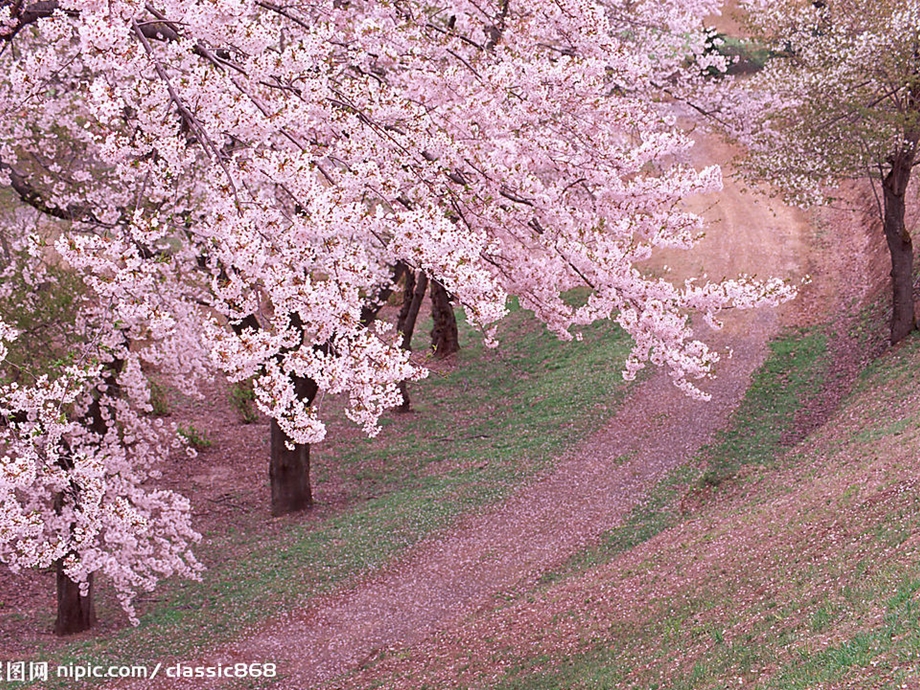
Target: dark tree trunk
point(75, 613)
point(289, 470)
point(413, 294)
point(894, 188)
point(445, 340)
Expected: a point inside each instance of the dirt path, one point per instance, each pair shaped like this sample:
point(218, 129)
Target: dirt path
point(445, 578)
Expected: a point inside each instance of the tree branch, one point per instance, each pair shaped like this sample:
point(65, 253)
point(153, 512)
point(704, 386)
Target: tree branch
point(32, 197)
point(24, 15)
point(184, 112)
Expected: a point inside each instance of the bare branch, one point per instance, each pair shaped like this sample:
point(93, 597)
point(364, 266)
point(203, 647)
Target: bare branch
point(284, 13)
point(513, 197)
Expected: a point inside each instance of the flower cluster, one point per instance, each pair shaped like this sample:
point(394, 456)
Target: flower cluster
point(73, 485)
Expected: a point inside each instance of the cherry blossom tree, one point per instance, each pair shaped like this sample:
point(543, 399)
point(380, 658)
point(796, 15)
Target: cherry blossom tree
point(91, 456)
point(282, 159)
point(79, 451)
point(841, 100)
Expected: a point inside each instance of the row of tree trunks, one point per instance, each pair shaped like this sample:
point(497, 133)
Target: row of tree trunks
point(289, 464)
point(445, 340)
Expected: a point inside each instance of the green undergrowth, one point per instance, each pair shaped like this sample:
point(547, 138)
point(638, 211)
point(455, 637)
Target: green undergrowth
point(746, 56)
point(496, 418)
point(830, 593)
point(480, 429)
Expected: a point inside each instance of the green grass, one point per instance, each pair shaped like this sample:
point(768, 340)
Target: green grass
point(195, 437)
point(242, 399)
point(793, 374)
point(501, 417)
point(502, 413)
point(655, 653)
point(891, 648)
point(657, 512)
point(159, 400)
point(747, 56)
point(479, 432)
point(830, 612)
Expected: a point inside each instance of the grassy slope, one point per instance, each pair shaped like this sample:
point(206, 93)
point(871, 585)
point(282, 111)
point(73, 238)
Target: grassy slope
point(793, 574)
point(480, 430)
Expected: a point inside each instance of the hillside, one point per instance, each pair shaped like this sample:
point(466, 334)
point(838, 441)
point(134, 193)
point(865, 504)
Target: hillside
point(270, 176)
point(776, 561)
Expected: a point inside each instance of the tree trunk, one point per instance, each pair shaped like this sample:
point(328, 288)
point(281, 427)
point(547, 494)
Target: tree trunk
point(413, 294)
point(894, 187)
point(445, 340)
point(289, 470)
point(75, 613)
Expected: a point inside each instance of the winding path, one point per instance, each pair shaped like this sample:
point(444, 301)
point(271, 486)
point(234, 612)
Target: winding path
point(593, 487)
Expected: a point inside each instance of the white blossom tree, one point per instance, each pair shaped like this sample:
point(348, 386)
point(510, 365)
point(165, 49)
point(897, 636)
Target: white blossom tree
point(841, 100)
